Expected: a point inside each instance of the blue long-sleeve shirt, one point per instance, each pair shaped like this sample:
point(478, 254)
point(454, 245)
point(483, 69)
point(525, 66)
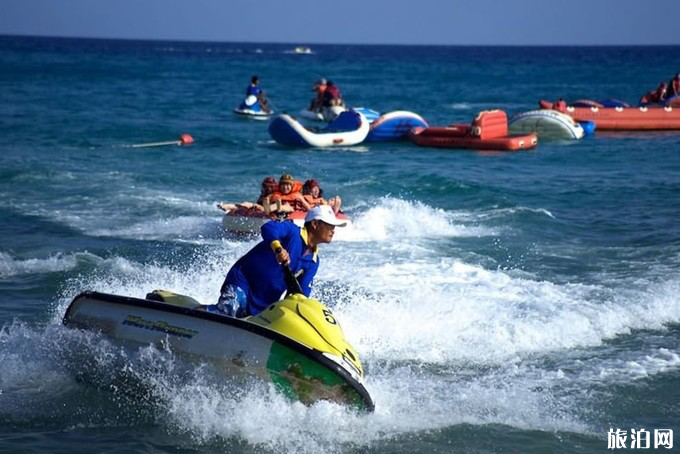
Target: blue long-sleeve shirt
point(259, 274)
point(253, 90)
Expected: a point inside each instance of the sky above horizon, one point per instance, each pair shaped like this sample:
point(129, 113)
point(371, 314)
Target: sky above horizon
point(452, 22)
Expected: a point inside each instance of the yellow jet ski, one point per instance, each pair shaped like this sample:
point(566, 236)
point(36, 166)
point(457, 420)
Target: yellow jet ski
point(296, 343)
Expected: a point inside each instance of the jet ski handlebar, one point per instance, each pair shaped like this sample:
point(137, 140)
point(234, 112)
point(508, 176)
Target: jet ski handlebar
point(291, 281)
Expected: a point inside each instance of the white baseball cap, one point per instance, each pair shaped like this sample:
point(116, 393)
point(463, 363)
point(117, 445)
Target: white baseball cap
point(325, 214)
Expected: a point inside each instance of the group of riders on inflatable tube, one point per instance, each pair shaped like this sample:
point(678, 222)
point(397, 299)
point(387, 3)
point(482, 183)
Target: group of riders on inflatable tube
point(664, 94)
point(278, 200)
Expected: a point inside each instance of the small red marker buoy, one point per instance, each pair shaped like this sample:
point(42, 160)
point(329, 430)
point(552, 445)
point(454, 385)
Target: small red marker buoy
point(186, 139)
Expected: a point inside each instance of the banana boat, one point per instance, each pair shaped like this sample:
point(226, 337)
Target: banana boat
point(296, 343)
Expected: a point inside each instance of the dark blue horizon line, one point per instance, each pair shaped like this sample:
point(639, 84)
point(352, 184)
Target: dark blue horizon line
point(305, 44)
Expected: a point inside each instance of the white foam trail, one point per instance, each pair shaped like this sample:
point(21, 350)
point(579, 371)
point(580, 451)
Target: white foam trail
point(393, 218)
point(160, 229)
point(402, 306)
point(621, 368)
point(200, 279)
point(264, 418)
point(499, 213)
point(445, 340)
point(459, 106)
point(10, 266)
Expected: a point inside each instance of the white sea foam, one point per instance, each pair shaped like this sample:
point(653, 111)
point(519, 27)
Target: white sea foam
point(444, 311)
point(11, 266)
point(175, 228)
point(445, 340)
point(391, 218)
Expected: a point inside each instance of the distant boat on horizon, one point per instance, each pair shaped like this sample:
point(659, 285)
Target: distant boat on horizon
point(303, 50)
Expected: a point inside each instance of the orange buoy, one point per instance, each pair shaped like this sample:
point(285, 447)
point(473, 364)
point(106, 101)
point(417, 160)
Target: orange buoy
point(186, 139)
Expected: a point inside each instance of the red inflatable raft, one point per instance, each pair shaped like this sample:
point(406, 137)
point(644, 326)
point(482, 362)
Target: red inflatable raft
point(623, 118)
point(245, 221)
point(489, 131)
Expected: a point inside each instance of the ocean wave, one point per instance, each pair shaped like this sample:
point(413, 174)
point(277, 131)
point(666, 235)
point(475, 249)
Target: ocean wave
point(402, 304)
point(11, 266)
point(389, 218)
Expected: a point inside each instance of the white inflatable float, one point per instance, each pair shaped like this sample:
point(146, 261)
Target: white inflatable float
point(349, 128)
point(546, 124)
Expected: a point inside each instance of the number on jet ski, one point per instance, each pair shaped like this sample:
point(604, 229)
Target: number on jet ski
point(329, 317)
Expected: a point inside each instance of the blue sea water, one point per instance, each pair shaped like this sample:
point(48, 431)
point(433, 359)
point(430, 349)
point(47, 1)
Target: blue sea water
point(500, 302)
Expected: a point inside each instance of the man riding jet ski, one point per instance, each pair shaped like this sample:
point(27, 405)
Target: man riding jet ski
point(296, 343)
point(256, 280)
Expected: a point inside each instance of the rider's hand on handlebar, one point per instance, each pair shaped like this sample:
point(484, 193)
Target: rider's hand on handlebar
point(282, 257)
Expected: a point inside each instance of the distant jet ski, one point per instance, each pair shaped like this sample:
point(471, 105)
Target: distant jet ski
point(296, 343)
point(252, 108)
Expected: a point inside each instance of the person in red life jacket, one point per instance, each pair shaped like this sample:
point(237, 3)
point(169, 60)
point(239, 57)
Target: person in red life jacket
point(314, 196)
point(319, 88)
point(267, 187)
point(288, 197)
point(332, 96)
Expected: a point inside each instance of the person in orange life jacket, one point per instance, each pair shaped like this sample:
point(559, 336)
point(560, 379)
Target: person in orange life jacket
point(267, 187)
point(319, 88)
point(331, 96)
point(256, 280)
point(314, 196)
point(286, 198)
point(255, 90)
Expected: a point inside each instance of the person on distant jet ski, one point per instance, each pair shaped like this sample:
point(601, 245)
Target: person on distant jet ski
point(332, 96)
point(255, 90)
point(257, 280)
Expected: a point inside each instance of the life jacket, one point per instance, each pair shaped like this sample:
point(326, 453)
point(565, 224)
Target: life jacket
point(331, 96)
point(290, 197)
point(314, 201)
